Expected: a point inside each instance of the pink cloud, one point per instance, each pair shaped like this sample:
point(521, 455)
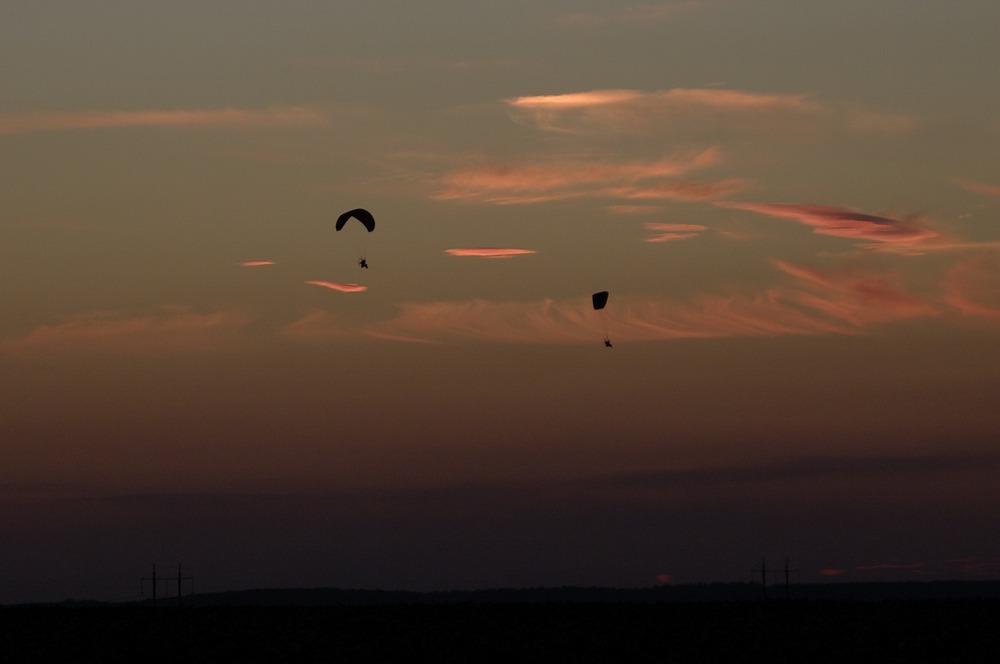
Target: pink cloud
point(693, 109)
point(702, 97)
point(845, 223)
point(562, 179)
point(256, 263)
point(978, 187)
point(831, 572)
point(343, 288)
point(636, 111)
point(574, 321)
point(664, 578)
point(681, 190)
point(573, 100)
point(168, 329)
point(489, 252)
point(859, 298)
point(673, 232)
point(808, 301)
point(972, 287)
point(318, 326)
point(275, 116)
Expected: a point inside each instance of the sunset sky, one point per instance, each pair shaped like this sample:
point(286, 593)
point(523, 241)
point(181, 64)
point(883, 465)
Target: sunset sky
point(794, 204)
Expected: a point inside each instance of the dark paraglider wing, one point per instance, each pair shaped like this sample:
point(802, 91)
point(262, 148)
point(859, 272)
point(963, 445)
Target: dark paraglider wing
point(361, 214)
point(600, 299)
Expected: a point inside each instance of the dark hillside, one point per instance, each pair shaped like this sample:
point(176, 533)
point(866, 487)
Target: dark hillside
point(783, 631)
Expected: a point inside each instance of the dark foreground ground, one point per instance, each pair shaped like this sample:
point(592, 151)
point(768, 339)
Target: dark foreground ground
point(958, 630)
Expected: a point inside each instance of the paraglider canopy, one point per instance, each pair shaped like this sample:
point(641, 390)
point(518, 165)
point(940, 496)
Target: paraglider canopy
point(600, 299)
point(361, 214)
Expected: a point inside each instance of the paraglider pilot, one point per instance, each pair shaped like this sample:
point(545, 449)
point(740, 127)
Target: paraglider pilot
point(363, 263)
point(607, 342)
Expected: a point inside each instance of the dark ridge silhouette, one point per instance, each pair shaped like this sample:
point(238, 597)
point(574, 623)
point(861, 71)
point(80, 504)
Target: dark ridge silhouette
point(572, 628)
point(709, 592)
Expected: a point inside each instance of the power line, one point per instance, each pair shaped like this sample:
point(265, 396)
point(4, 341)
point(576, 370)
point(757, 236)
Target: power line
point(155, 581)
point(786, 571)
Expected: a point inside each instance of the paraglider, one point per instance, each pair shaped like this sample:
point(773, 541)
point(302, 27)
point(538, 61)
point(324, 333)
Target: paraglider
point(366, 218)
point(361, 214)
point(600, 299)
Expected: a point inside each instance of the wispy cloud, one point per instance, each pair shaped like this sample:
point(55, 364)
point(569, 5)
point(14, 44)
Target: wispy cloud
point(488, 252)
point(694, 109)
point(256, 263)
point(977, 186)
point(319, 325)
point(972, 287)
point(829, 307)
point(549, 179)
point(809, 302)
point(274, 116)
point(672, 232)
point(877, 231)
point(856, 297)
point(343, 288)
point(168, 329)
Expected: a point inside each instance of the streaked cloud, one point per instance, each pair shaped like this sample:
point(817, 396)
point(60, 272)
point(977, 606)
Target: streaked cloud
point(808, 302)
point(488, 252)
point(612, 99)
point(672, 232)
point(860, 298)
point(343, 288)
point(319, 325)
point(273, 116)
point(167, 329)
point(972, 286)
point(687, 110)
point(977, 186)
point(555, 179)
point(256, 263)
point(845, 223)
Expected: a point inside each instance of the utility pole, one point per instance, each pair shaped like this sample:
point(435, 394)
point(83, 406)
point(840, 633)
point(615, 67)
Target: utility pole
point(155, 581)
point(181, 579)
point(788, 572)
point(764, 571)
